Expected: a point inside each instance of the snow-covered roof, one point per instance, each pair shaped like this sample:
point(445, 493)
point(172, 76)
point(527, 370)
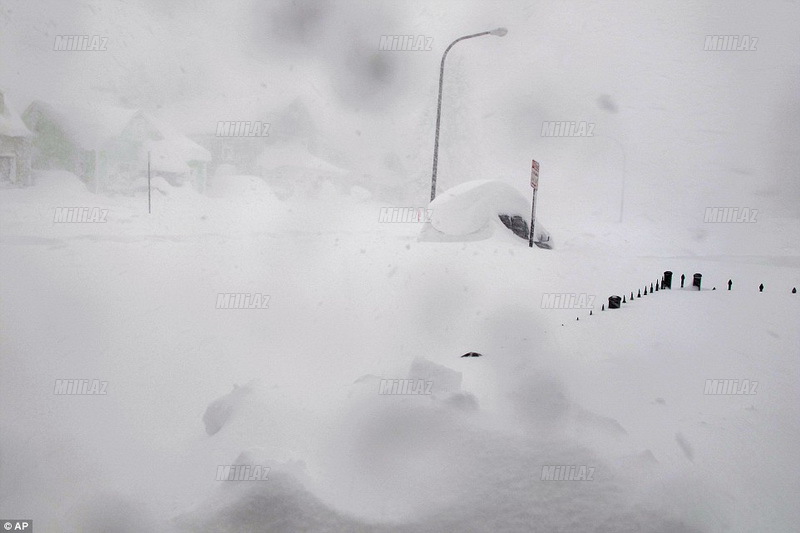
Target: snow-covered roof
point(93, 126)
point(173, 150)
point(90, 126)
point(294, 154)
point(11, 124)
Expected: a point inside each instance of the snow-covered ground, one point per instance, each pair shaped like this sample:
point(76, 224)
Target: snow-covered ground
point(351, 308)
point(133, 302)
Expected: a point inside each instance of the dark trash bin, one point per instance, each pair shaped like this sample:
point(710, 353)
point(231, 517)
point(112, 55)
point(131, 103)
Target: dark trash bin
point(698, 278)
point(614, 302)
point(667, 279)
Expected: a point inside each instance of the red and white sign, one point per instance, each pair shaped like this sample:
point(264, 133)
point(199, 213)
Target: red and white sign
point(534, 175)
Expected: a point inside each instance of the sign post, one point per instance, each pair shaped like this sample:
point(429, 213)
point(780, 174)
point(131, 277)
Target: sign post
point(148, 181)
point(535, 186)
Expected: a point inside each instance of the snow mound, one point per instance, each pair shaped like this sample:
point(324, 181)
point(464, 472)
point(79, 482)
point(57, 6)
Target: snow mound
point(445, 380)
point(360, 194)
point(294, 155)
point(98, 512)
point(468, 208)
point(471, 209)
point(59, 182)
point(228, 186)
point(283, 503)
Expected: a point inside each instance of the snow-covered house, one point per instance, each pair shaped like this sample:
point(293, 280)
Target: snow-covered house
point(108, 146)
point(15, 148)
point(237, 150)
point(231, 154)
point(289, 167)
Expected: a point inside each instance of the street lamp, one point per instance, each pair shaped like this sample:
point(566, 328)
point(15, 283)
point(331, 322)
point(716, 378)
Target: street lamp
point(498, 32)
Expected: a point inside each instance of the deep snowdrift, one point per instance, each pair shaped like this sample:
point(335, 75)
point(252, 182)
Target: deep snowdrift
point(132, 302)
point(471, 211)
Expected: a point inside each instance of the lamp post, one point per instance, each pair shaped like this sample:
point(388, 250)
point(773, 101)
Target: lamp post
point(498, 32)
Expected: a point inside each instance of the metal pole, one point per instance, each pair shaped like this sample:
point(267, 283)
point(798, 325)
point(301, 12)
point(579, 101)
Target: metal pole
point(439, 109)
point(148, 182)
point(622, 194)
point(533, 219)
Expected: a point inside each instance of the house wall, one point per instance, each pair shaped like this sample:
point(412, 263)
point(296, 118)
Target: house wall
point(20, 148)
point(112, 165)
point(241, 152)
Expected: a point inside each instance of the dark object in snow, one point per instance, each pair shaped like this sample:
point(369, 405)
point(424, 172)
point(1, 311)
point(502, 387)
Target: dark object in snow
point(220, 410)
point(590, 312)
point(794, 290)
point(603, 307)
point(577, 318)
point(623, 300)
point(645, 290)
point(761, 288)
point(640, 294)
point(631, 295)
point(517, 224)
point(651, 287)
point(656, 286)
point(605, 102)
point(472, 354)
point(613, 302)
point(730, 283)
point(683, 277)
point(696, 280)
point(667, 279)
point(713, 289)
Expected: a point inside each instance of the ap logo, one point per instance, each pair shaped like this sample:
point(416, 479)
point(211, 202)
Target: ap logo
point(18, 525)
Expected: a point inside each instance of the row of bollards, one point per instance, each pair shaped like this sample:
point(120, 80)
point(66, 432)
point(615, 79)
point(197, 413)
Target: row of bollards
point(614, 302)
